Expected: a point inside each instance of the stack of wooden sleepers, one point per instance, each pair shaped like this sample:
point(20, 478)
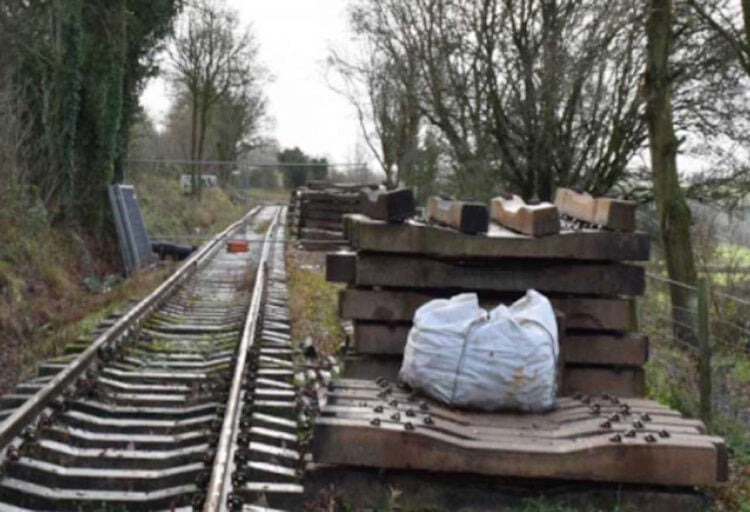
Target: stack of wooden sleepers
point(316, 210)
point(579, 252)
point(396, 267)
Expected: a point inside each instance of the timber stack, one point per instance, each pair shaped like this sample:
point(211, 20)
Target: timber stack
point(576, 252)
point(316, 211)
point(373, 435)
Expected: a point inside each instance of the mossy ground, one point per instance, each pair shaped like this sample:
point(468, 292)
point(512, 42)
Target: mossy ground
point(313, 302)
point(56, 284)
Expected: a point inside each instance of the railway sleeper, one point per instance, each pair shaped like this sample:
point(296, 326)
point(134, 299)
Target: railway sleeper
point(62, 477)
point(187, 357)
point(288, 496)
point(83, 438)
point(95, 423)
point(67, 455)
point(106, 410)
point(42, 497)
point(154, 375)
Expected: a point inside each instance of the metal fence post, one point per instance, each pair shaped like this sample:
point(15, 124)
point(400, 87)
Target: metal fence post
point(704, 353)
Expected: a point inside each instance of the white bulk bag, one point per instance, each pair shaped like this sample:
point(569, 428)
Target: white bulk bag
point(436, 341)
point(504, 360)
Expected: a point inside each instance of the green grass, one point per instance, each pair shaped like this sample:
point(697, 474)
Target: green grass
point(313, 305)
point(168, 211)
point(262, 227)
point(671, 378)
point(733, 254)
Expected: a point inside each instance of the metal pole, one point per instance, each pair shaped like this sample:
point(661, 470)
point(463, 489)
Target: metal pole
point(704, 350)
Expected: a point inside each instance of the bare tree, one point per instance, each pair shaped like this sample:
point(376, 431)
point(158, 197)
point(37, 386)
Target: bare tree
point(236, 127)
point(527, 95)
point(385, 98)
point(212, 58)
point(723, 16)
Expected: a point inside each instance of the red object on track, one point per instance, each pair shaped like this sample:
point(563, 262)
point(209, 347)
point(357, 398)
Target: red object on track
point(237, 246)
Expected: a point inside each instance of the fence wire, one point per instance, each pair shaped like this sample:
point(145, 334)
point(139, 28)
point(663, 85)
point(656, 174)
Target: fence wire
point(673, 371)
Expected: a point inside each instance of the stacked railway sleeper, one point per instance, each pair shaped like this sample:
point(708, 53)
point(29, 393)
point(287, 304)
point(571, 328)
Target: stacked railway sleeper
point(133, 422)
point(316, 211)
point(374, 435)
point(588, 274)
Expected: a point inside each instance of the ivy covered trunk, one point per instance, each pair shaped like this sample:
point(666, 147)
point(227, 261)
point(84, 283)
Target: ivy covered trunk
point(672, 209)
point(101, 109)
point(81, 65)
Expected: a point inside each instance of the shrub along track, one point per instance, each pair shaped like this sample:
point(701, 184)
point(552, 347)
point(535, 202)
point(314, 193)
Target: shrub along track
point(190, 394)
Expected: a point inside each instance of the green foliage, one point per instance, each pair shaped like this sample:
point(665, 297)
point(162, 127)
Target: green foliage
point(422, 173)
point(313, 303)
point(167, 210)
point(149, 23)
point(78, 68)
point(297, 175)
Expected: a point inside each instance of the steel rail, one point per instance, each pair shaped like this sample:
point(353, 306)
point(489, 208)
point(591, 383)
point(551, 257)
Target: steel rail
point(219, 484)
point(21, 417)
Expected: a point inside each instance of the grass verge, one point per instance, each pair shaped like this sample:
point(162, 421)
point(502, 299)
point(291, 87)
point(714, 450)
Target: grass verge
point(313, 302)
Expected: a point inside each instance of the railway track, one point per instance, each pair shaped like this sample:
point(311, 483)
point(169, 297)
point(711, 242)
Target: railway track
point(187, 402)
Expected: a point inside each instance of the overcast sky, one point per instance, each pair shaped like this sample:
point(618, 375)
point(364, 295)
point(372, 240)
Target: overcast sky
point(294, 37)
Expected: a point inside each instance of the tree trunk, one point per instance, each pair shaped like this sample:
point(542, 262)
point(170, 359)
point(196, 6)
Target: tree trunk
point(202, 128)
point(193, 142)
point(746, 19)
point(672, 209)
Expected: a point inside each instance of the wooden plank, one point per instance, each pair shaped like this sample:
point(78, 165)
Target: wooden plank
point(616, 381)
point(511, 425)
point(604, 349)
point(467, 217)
point(321, 245)
point(328, 207)
point(413, 237)
point(378, 338)
point(566, 408)
point(400, 306)
point(611, 279)
point(388, 205)
point(609, 213)
point(331, 197)
point(321, 215)
point(575, 349)
point(677, 460)
point(322, 234)
point(340, 267)
point(534, 220)
point(328, 225)
point(370, 367)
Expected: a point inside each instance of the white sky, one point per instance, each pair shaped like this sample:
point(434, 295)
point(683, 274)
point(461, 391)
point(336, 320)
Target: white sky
point(294, 38)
